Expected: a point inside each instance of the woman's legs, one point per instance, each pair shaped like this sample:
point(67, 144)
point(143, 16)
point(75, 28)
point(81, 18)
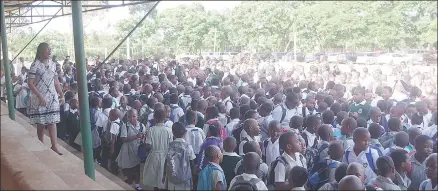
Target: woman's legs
point(40, 132)
point(136, 174)
point(53, 137)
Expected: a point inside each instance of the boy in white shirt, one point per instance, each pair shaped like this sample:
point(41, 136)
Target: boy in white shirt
point(175, 110)
point(298, 177)
point(401, 141)
point(110, 135)
point(253, 129)
point(431, 173)
point(271, 148)
point(194, 136)
point(361, 153)
point(251, 163)
point(234, 115)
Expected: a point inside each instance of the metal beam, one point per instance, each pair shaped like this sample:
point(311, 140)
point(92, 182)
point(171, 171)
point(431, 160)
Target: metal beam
point(84, 11)
point(78, 35)
point(35, 36)
point(6, 65)
point(60, 5)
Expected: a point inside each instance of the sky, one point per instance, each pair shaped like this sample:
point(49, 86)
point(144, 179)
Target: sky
point(63, 24)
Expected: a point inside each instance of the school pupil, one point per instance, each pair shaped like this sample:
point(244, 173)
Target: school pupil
point(348, 125)
point(234, 120)
point(180, 161)
point(350, 182)
point(265, 111)
point(337, 124)
point(72, 124)
point(167, 121)
point(359, 107)
point(194, 136)
point(214, 133)
point(386, 174)
point(298, 178)
point(328, 117)
point(271, 148)
point(431, 173)
point(175, 110)
point(131, 135)
point(309, 134)
point(361, 153)
point(325, 134)
point(212, 176)
point(423, 148)
point(111, 143)
point(401, 141)
point(324, 171)
point(279, 169)
point(252, 128)
point(296, 124)
point(402, 166)
point(248, 180)
point(262, 172)
point(157, 143)
point(375, 132)
point(394, 126)
point(230, 158)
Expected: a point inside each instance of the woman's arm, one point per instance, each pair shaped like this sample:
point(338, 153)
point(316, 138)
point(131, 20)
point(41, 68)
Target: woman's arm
point(58, 88)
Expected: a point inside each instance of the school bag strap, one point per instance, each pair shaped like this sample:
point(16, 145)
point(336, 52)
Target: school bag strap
point(423, 186)
point(303, 110)
point(369, 157)
point(265, 145)
point(283, 114)
point(242, 184)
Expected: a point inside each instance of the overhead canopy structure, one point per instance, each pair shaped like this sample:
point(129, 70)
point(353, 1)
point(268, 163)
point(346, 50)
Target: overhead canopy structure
point(24, 12)
point(21, 13)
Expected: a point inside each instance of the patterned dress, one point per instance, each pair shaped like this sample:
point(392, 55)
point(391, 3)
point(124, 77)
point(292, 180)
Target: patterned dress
point(44, 74)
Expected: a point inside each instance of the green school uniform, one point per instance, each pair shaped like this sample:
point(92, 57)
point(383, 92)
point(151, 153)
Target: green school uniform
point(362, 108)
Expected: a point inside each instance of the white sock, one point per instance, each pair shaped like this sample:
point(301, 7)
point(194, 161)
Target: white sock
point(137, 185)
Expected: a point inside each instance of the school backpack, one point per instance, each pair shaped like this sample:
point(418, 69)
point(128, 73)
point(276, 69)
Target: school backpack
point(242, 184)
point(236, 134)
point(178, 164)
point(141, 151)
point(389, 143)
point(107, 134)
point(241, 170)
point(313, 154)
point(172, 113)
point(232, 103)
point(369, 157)
point(319, 174)
point(281, 159)
point(283, 114)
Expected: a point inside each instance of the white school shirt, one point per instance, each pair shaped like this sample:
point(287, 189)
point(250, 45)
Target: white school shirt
point(264, 125)
point(362, 159)
point(280, 170)
point(272, 151)
point(428, 186)
point(310, 138)
point(23, 91)
point(228, 104)
point(278, 112)
point(230, 126)
point(395, 147)
point(195, 137)
point(247, 177)
point(177, 112)
point(115, 128)
point(430, 131)
point(102, 118)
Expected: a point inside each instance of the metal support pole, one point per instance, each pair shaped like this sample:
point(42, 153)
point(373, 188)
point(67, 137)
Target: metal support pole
point(6, 64)
point(35, 36)
point(78, 35)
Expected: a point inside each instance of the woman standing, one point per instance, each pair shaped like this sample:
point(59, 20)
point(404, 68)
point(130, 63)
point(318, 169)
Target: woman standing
point(43, 109)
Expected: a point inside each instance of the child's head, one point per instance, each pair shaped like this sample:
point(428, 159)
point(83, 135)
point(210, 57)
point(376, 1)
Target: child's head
point(401, 139)
point(251, 162)
point(69, 95)
point(322, 106)
point(296, 122)
point(336, 150)
point(375, 114)
point(431, 167)
point(251, 114)
point(325, 132)
point(95, 102)
point(173, 98)
point(213, 154)
point(235, 113)
point(289, 143)
point(251, 127)
point(341, 171)
point(375, 130)
point(329, 100)
point(74, 103)
point(191, 117)
point(361, 138)
point(423, 145)
point(265, 109)
point(178, 130)
point(252, 146)
point(107, 103)
point(298, 176)
point(357, 170)
point(114, 114)
point(413, 132)
point(167, 111)
point(386, 92)
point(385, 167)
point(132, 116)
point(394, 124)
point(312, 123)
point(361, 122)
point(358, 94)
point(274, 130)
point(230, 144)
point(341, 116)
point(396, 111)
point(292, 100)
point(328, 117)
point(336, 108)
point(310, 102)
point(351, 182)
point(348, 125)
point(400, 157)
point(159, 115)
point(214, 130)
point(383, 106)
point(416, 119)
point(212, 112)
point(123, 101)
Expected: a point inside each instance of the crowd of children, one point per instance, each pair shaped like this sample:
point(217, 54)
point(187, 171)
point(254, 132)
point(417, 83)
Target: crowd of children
point(210, 125)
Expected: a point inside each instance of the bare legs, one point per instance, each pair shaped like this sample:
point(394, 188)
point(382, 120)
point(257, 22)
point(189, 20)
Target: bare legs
point(52, 135)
